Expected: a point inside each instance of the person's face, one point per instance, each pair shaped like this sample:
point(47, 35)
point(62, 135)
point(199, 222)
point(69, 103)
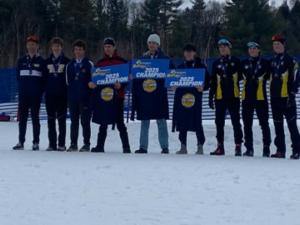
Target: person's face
point(278, 47)
point(152, 46)
point(189, 55)
point(224, 49)
point(56, 49)
point(32, 47)
point(109, 49)
point(254, 51)
point(79, 52)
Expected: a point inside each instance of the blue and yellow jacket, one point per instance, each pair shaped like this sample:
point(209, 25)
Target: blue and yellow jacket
point(226, 74)
point(256, 72)
point(284, 78)
point(56, 80)
point(31, 75)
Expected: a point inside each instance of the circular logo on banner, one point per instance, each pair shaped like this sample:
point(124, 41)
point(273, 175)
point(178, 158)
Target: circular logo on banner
point(149, 85)
point(188, 100)
point(107, 94)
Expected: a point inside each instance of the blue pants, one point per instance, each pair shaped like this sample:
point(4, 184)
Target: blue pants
point(163, 135)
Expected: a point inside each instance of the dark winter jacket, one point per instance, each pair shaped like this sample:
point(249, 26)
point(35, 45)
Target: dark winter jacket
point(31, 75)
point(187, 109)
point(149, 96)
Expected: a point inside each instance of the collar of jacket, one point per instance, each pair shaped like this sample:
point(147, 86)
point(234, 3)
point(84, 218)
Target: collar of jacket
point(113, 56)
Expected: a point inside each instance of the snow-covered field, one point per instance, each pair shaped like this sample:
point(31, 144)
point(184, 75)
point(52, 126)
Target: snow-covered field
point(60, 188)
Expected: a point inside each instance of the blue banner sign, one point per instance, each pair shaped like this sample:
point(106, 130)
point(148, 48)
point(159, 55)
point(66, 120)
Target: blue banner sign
point(110, 75)
point(185, 78)
point(149, 68)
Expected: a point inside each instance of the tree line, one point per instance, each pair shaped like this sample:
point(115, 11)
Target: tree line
point(131, 22)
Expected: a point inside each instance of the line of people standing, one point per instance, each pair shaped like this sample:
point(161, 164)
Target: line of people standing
point(68, 83)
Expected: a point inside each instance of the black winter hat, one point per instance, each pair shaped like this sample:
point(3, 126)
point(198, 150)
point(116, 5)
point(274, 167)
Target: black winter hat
point(109, 41)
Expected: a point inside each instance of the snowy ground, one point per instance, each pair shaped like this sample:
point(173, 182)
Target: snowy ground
point(47, 188)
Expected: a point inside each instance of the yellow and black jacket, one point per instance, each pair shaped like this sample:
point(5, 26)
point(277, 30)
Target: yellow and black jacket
point(226, 74)
point(284, 77)
point(255, 72)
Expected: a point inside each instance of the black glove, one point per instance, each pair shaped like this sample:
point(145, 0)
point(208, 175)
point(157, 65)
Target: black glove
point(211, 104)
point(291, 101)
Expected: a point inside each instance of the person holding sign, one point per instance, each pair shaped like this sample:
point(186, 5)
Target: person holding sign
point(30, 77)
point(284, 85)
point(225, 95)
point(108, 100)
point(78, 74)
point(256, 71)
point(150, 100)
point(56, 95)
point(187, 110)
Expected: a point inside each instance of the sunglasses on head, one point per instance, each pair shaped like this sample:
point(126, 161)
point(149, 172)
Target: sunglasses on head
point(253, 44)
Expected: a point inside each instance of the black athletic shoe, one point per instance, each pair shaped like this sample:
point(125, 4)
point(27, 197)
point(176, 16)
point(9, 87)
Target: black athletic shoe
point(61, 148)
point(279, 155)
point(73, 148)
point(97, 149)
point(249, 153)
point(238, 150)
point(126, 151)
point(141, 151)
point(165, 151)
point(266, 152)
point(49, 149)
point(295, 156)
point(219, 151)
point(85, 148)
point(35, 147)
point(18, 146)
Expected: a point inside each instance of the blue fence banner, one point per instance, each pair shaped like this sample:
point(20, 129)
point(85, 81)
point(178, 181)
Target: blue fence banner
point(149, 68)
point(185, 78)
point(111, 74)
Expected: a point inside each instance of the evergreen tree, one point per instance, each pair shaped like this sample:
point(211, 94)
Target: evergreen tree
point(248, 21)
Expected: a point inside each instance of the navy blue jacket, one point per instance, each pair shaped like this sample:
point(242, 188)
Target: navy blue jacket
point(187, 108)
point(56, 80)
point(31, 79)
point(105, 105)
point(78, 89)
point(151, 104)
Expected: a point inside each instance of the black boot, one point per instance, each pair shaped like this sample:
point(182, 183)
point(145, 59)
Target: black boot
point(295, 156)
point(266, 151)
point(249, 153)
point(219, 151)
point(18, 146)
point(126, 150)
point(141, 151)
point(98, 149)
point(238, 150)
point(165, 151)
point(278, 154)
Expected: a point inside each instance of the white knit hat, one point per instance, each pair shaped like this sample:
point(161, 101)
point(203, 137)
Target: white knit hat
point(154, 38)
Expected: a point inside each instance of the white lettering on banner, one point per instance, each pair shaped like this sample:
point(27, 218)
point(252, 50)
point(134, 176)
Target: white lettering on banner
point(186, 83)
point(112, 78)
point(150, 74)
point(33, 73)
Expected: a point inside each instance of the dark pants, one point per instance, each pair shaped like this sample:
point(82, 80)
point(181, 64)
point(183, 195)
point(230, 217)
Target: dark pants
point(279, 110)
point(120, 125)
point(200, 137)
point(56, 107)
point(80, 110)
point(233, 106)
point(34, 104)
point(262, 112)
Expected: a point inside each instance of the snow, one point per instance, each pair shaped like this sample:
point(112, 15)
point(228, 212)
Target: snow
point(61, 188)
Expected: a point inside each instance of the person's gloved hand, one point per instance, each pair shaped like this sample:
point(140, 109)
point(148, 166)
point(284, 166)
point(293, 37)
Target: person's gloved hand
point(291, 101)
point(211, 104)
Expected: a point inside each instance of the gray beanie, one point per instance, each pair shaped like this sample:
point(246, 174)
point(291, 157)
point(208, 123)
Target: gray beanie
point(154, 38)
